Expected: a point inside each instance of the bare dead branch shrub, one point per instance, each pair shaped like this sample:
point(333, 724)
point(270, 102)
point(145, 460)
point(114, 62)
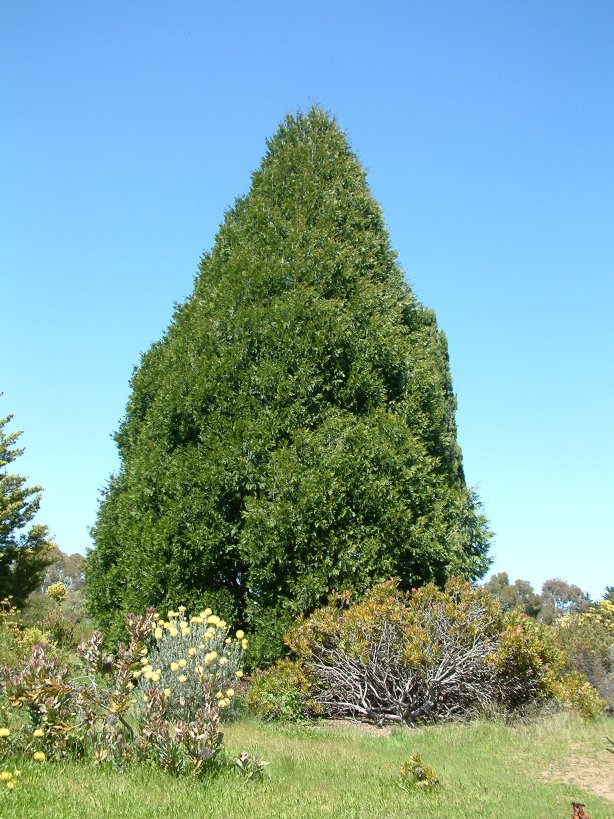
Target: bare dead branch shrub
point(432, 654)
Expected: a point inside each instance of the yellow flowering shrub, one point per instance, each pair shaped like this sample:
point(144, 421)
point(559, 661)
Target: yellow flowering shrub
point(56, 592)
point(189, 652)
point(16, 641)
point(576, 692)
point(101, 712)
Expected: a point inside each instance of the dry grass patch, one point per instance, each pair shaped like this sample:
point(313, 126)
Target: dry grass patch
point(594, 773)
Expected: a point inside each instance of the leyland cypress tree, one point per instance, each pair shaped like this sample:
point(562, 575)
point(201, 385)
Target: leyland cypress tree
point(294, 431)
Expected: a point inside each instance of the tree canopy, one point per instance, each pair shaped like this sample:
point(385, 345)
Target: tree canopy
point(65, 569)
point(25, 551)
point(560, 597)
point(294, 429)
point(517, 595)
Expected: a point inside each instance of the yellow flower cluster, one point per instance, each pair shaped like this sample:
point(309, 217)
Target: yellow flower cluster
point(57, 592)
point(190, 650)
point(224, 699)
point(4, 732)
point(147, 671)
point(176, 623)
point(9, 779)
point(601, 614)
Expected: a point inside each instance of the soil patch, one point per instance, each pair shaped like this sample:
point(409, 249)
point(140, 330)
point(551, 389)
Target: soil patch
point(595, 775)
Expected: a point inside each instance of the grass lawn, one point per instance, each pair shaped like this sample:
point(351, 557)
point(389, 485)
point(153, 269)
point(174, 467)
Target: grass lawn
point(487, 769)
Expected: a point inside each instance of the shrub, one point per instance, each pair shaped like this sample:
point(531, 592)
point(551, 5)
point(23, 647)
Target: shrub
point(180, 746)
point(43, 688)
point(283, 692)
point(100, 710)
point(587, 645)
point(189, 653)
point(526, 660)
point(60, 613)
point(16, 640)
point(249, 766)
point(575, 691)
point(415, 774)
point(427, 655)
point(10, 650)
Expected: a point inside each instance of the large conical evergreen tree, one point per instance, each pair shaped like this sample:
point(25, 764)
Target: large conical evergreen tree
point(293, 431)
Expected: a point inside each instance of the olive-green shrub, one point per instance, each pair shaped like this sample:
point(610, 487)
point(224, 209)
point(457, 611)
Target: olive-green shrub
point(282, 692)
point(430, 654)
point(586, 641)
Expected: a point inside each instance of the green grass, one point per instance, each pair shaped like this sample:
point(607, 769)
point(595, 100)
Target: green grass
point(487, 769)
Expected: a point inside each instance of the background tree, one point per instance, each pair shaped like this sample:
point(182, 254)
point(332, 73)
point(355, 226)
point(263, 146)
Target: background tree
point(560, 597)
point(294, 430)
point(25, 552)
point(66, 569)
point(57, 606)
point(609, 593)
point(518, 595)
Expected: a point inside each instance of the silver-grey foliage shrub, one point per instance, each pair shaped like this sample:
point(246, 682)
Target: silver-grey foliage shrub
point(189, 653)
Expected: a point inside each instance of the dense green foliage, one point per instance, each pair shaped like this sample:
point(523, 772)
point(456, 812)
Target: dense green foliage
point(282, 692)
point(25, 550)
point(294, 430)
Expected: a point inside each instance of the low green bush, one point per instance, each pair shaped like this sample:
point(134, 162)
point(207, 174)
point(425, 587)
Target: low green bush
point(526, 659)
point(415, 774)
point(282, 692)
point(248, 766)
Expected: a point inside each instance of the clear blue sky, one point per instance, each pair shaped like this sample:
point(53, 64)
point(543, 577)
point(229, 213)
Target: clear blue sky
point(487, 130)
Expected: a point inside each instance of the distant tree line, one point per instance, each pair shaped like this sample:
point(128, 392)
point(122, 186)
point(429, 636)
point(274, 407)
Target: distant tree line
point(556, 599)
